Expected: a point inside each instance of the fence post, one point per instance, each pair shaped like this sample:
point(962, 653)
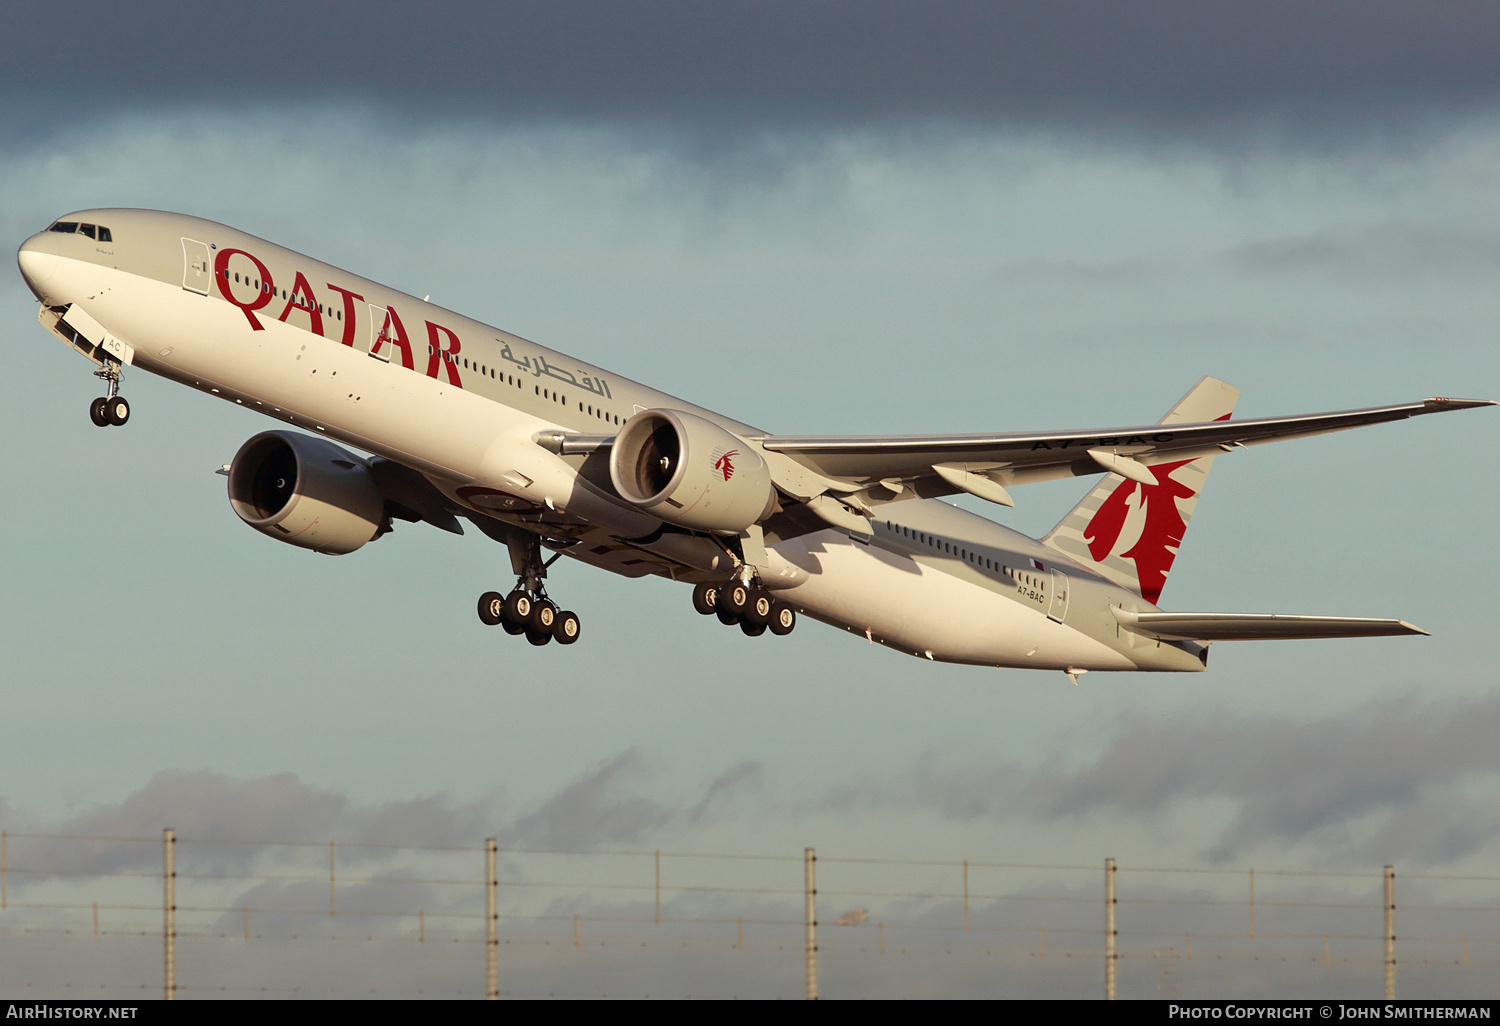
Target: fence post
point(169, 914)
point(1110, 932)
point(966, 895)
point(1252, 902)
point(330, 880)
point(1390, 933)
point(4, 865)
point(810, 889)
point(658, 887)
point(491, 924)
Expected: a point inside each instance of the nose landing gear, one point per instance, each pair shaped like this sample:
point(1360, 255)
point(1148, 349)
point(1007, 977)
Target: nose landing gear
point(527, 609)
point(111, 408)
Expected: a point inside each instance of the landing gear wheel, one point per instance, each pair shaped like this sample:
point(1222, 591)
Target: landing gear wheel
point(761, 606)
point(544, 615)
point(752, 630)
point(97, 413)
point(491, 608)
point(513, 628)
point(727, 619)
point(705, 596)
point(734, 597)
point(783, 619)
point(537, 637)
point(518, 607)
point(565, 628)
point(117, 410)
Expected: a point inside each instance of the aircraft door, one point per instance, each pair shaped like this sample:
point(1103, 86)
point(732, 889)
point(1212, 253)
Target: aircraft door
point(380, 342)
point(197, 268)
point(1059, 607)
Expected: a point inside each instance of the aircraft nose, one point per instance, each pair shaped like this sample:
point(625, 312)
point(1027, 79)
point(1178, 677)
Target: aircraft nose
point(38, 260)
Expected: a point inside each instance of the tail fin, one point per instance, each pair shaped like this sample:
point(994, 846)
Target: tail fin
point(1130, 532)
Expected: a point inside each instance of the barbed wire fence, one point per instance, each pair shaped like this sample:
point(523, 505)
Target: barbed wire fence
point(111, 916)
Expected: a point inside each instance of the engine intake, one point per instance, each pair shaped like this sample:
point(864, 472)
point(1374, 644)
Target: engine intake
point(690, 472)
point(305, 491)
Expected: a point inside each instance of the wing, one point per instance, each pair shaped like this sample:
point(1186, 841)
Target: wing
point(873, 469)
point(1256, 626)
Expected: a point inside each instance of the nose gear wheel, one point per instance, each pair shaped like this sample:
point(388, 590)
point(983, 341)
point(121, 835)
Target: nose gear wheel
point(112, 408)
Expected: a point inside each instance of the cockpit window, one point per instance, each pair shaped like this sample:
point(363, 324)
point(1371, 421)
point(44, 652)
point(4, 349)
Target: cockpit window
point(98, 232)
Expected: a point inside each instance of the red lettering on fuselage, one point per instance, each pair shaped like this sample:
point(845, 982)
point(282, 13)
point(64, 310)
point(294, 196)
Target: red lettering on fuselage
point(349, 298)
point(262, 297)
point(443, 354)
point(399, 339)
point(302, 298)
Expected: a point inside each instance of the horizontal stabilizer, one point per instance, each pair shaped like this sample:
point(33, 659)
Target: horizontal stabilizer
point(1256, 626)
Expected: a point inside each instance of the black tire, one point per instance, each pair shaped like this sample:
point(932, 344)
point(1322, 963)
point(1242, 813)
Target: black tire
point(513, 628)
point(97, 414)
point(734, 597)
point(783, 619)
point(752, 630)
point(727, 619)
point(518, 608)
point(117, 410)
point(761, 607)
point(491, 608)
point(704, 597)
point(544, 615)
point(566, 628)
point(537, 637)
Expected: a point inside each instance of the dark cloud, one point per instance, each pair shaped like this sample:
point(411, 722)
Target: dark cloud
point(1159, 61)
point(596, 808)
point(1296, 781)
point(232, 822)
point(1397, 779)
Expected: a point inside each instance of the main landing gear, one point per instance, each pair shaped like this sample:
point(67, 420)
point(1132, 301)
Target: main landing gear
point(527, 609)
point(736, 602)
point(112, 408)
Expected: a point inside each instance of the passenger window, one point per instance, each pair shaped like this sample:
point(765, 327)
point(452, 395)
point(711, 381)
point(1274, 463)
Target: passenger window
point(104, 235)
point(65, 227)
point(86, 229)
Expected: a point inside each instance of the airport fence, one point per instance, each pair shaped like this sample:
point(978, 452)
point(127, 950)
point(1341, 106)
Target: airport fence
point(111, 917)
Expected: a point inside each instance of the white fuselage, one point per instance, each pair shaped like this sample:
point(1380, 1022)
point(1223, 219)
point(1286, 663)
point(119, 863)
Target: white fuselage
point(462, 403)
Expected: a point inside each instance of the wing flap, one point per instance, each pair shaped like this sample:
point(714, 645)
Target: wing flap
point(1257, 626)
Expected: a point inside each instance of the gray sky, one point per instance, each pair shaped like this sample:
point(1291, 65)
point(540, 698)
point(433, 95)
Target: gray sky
point(817, 218)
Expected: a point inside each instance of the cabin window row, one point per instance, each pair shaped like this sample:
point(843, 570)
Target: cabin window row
point(923, 538)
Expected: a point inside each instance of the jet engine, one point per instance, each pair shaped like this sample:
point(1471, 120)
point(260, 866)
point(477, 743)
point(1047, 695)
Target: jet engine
point(305, 491)
point(690, 472)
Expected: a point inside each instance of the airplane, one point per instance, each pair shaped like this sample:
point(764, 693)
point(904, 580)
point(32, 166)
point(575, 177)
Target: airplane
point(554, 457)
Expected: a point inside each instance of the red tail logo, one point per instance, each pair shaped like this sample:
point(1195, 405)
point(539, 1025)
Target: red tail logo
point(1162, 526)
point(725, 463)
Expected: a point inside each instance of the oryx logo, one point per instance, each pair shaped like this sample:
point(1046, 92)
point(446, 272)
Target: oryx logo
point(1152, 512)
point(724, 462)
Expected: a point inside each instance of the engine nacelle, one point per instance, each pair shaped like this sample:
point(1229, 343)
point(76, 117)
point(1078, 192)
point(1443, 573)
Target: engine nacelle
point(690, 472)
point(305, 491)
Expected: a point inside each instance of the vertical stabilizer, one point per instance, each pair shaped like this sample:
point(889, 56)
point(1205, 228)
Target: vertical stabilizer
point(1130, 532)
